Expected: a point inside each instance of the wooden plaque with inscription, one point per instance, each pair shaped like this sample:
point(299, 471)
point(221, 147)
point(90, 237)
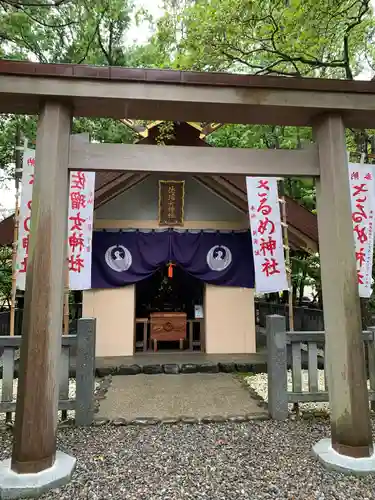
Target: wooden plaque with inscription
point(171, 203)
point(168, 327)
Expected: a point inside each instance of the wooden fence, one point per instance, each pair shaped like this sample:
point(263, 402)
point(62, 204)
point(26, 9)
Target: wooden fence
point(302, 345)
point(75, 312)
point(5, 322)
point(83, 367)
point(305, 318)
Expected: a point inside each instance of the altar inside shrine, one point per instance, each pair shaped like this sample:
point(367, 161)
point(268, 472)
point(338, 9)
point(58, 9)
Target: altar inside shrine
point(169, 312)
point(167, 327)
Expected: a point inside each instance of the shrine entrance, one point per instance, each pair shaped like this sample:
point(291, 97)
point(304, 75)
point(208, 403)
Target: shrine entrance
point(57, 92)
point(169, 311)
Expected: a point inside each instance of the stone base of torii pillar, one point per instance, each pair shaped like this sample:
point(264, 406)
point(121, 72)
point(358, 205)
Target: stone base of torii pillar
point(14, 485)
point(334, 461)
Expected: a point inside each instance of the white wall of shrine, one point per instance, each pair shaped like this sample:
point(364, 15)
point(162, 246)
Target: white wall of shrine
point(113, 309)
point(230, 320)
point(229, 311)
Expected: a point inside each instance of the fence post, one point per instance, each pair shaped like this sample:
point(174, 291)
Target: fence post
point(85, 371)
point(371, 362)
point(277, 367)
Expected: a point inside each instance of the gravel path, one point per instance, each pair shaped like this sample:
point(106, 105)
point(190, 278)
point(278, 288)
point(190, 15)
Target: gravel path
point(252, 461)
point(165, 396)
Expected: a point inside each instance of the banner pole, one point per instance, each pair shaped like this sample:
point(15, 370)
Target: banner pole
point(66, 300)
point(287, 265)
point(18, 171)
point(287, 254)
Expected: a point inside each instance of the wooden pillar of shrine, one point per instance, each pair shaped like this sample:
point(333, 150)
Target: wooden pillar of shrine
point(344, 362)
point(34, 445)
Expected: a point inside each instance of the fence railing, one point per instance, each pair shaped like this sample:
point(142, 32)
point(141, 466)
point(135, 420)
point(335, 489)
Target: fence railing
point(5, 322)
point(75, 312)
point(83, 344)
point(302, 344)
point(305, 318)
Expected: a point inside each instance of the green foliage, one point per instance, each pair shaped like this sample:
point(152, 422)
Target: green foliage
point(89, 31)
point(104, 130)
point(260, 136)
point(5, 276)
point(166, 133)
point(79, 31)
point(305, 272)
point(8, 126)
point(270, 137)
point(100, 129)
point(321, 38)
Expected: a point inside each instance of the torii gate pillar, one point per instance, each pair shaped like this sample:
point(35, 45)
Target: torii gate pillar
point(35, 465)
point(345, 362)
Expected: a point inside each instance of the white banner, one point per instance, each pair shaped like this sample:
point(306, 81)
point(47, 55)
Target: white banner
point(24, 217)
point(80, 224)
point(266, 233)
point(362, 196)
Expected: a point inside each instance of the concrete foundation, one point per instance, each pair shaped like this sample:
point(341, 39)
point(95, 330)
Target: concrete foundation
point(13, 485)
point(341, 463)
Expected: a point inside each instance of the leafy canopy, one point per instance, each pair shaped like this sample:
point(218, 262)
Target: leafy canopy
point(322, 38)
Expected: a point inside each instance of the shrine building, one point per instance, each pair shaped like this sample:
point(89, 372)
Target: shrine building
point(149, 253)
point(172, 263)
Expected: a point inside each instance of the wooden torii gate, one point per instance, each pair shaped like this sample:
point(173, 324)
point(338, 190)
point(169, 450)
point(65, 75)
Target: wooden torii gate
point(59, 92)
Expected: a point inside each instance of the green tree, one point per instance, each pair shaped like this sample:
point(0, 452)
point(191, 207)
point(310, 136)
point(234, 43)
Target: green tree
point(314, 38)
point(270, 137)
point(5, 277)
point(79, 31)
point(100, 129)
point(318, 38)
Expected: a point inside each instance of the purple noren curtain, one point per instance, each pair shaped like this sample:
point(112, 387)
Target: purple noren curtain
point(218, 258)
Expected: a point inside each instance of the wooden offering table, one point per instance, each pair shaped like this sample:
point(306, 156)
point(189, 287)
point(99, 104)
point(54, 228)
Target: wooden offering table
point(167, 327)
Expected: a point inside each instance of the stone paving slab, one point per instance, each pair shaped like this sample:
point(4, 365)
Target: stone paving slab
point(163, 396)
point(184, 357)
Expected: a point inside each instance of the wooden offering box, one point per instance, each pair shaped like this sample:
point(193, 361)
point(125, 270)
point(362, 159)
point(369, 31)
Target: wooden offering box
point(167, 327)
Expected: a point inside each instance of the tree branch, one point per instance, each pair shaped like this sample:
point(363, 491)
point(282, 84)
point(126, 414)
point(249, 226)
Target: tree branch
point(110, 44)
point(361, 14)
point(261, 69)
point(106, 55)
point(91, 41)
point(17, 4)
point(42, 23)
point(35, 50)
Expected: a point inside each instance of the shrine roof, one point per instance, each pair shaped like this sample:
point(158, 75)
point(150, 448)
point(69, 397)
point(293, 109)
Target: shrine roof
point(156, 94)
point(7, 231)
